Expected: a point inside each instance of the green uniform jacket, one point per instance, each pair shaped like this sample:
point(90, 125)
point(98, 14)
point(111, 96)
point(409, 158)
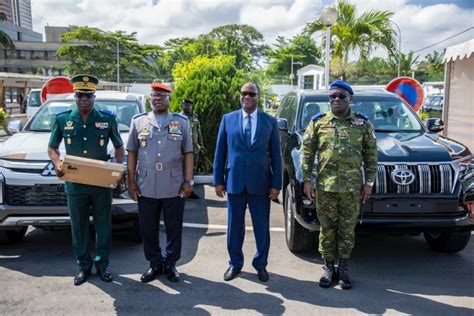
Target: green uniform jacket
point(339, 147)
point(88, 140)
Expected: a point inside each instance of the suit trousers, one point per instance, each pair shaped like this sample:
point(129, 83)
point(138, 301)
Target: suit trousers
point(149, 210)
point(259, 206)
point(81, 206)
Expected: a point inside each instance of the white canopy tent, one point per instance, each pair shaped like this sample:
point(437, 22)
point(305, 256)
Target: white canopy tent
point(458, 112)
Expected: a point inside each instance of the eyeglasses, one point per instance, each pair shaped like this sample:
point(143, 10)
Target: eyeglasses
point(81, 95)
point(250, 94)
point(340, 96)
point(162, 95)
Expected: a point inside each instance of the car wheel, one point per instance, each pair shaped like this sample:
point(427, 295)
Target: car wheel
point(134, 232)
point(297, 237)
point(13, 236)
point(448, 241)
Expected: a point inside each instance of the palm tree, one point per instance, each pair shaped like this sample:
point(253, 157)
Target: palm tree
point(5, 40)
point(407, 61)
point(353, 33)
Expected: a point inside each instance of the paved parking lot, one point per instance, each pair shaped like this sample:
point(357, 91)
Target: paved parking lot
point(392, 275)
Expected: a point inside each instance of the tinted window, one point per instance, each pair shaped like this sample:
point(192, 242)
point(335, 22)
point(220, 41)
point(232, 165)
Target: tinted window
point(44, 118)
point(288, 109)
point(34, 99)
point(386, 114)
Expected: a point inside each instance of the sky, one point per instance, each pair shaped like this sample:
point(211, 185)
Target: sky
point(422, 22)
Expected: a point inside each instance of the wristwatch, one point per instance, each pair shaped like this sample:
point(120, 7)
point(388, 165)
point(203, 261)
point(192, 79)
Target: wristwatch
point(371, 183)
point(190, 182)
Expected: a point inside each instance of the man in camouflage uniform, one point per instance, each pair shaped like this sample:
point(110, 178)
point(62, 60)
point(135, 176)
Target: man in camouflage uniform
point(342, 142)
point(198, 144)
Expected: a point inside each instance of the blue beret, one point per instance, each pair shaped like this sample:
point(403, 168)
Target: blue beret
point(343, 85)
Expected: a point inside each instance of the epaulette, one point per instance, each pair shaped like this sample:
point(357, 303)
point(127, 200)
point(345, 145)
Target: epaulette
point(108, 112)
point(181, 116)
point(317, 116)
point(64, 112)
point(138, 115)
point(359, 114)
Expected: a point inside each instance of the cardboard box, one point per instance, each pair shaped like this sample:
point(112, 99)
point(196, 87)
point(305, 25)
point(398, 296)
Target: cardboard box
point(92, 172)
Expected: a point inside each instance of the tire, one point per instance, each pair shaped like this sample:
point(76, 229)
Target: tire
point(134, 232)
point(448, 241)
point(298, 238)
point(13, 236)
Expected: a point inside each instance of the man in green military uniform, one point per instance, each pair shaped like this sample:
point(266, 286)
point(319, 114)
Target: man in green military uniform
point(343, 144)
point(86, 132)
point(198, 143)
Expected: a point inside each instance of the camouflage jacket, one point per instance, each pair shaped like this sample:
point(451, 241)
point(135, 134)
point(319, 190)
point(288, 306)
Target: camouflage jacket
point(196, 132)
point(339, 147)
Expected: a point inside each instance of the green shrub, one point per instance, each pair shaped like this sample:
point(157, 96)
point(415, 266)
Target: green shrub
point(213, 84)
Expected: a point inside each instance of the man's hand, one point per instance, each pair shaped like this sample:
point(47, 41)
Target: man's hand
point(365, 191)
point(133, 190)
point(59, 169)
point(309, 189)
point(274, 194)
point(185, 190)
point(220, 190)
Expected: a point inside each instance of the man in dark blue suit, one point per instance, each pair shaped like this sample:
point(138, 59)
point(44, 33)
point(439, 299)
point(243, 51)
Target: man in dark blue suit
point(247, 165)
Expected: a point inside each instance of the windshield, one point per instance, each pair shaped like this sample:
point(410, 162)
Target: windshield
point(44, 118)
point(386, 114)
point(34, 99)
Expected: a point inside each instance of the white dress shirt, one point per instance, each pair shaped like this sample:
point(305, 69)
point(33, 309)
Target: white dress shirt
point(253, 116)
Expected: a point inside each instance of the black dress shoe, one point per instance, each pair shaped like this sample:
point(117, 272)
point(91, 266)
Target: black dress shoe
point(104, 274)
point(81, 277)
point(194, 196)
point(151, 274)
point(231, 273)
point(262, 275)
point(171, 273)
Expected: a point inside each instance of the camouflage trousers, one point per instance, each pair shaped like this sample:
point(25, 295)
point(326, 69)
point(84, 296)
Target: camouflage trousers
point(337, 214)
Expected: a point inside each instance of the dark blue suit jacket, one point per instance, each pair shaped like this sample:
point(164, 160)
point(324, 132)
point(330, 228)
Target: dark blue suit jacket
point(256, 168)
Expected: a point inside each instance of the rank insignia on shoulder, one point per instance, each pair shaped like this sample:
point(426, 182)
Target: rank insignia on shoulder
point(317, 116)
point(181, 116)
point(69, 126)
point(138, 115)
point(64, 112)
point(102, 125)
point(105, 111)
point(359, 114)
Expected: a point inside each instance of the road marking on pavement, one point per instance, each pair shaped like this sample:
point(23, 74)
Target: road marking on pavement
point(223, 227)
point(9, 257)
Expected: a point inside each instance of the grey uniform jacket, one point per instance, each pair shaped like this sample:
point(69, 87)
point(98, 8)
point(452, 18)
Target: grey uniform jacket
point(160, 167)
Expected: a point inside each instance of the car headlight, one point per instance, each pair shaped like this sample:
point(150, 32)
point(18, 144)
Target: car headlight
point(122, 187)
point(2, 185)
point(464, 164)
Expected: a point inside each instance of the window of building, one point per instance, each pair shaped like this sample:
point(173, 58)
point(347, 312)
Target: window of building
point(38, 54)
point(308, 82)
point(22, 54)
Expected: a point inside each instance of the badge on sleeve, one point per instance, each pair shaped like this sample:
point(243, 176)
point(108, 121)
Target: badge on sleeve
point(175, 128)
point(102, 125)
point(357, 123)
point(68, 126)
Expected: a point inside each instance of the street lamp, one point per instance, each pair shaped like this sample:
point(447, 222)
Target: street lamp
point(118, 58)
point(292, 76)
point(328, 17)
point(399, 45)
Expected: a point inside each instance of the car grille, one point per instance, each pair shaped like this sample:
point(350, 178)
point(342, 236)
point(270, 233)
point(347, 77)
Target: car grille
point(36, 195)
point(428, 179)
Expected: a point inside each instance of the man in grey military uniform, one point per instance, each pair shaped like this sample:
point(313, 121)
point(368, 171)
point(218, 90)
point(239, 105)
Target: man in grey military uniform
point(160, 177)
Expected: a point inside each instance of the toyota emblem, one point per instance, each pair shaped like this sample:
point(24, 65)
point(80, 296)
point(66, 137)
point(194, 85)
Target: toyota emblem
point(403, 176)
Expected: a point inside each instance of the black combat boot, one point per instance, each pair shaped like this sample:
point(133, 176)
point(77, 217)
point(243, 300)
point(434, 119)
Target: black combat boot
point(328, 275)
point(343, 274)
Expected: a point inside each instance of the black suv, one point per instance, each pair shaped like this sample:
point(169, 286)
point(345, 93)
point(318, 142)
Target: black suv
point(418, 182)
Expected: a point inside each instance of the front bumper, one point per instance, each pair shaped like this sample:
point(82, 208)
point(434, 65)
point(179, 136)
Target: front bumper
point(123, 210)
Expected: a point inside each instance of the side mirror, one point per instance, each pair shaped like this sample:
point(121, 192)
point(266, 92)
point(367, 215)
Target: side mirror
point(14, 126)
point(434, 125)
point(282, 125)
